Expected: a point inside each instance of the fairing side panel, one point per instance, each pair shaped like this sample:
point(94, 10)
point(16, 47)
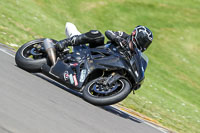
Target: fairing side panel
point(81, 64)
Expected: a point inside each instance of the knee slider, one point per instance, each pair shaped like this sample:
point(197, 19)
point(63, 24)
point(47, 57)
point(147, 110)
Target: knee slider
point(95, 37)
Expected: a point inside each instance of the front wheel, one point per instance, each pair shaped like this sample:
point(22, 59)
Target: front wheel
point(98, 94)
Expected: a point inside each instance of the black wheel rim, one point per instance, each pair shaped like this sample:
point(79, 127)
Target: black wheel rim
point(97, 89)
point(34, 51)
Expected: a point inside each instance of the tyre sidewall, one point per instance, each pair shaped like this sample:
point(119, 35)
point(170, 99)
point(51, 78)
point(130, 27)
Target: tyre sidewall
point(27, 63)
point(107, 100)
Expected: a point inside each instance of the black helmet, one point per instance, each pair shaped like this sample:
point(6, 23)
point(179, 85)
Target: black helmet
point(142, 37)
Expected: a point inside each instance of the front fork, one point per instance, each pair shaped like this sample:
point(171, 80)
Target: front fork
point(112, 79)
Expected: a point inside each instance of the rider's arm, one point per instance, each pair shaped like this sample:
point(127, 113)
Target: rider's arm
point(120, 38)
point(110, 35)
point(113, 35)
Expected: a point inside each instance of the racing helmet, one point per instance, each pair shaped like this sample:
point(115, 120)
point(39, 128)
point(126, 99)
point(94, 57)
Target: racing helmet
point(141, 37)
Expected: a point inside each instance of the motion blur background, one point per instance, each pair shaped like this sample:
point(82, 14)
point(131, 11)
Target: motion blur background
point(170, 93)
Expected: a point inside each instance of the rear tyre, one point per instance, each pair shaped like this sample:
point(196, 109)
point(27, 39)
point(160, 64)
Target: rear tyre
point(28, 61)
point(98, 94)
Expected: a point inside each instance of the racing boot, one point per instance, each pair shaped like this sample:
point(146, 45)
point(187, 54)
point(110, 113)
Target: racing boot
point(62, 44)
point(72, 41)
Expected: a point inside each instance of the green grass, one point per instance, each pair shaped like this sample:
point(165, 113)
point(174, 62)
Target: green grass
point(170, 93)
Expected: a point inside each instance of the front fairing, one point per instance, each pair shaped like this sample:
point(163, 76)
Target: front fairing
point(139, 63)
point(113, 60)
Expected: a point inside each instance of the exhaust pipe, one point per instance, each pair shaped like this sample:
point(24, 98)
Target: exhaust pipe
point(50, 49)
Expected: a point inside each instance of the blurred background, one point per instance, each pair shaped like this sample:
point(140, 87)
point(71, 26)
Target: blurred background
point(171, 91)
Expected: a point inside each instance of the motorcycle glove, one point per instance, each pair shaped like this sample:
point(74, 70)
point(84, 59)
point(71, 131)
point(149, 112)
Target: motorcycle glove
point(121, 42)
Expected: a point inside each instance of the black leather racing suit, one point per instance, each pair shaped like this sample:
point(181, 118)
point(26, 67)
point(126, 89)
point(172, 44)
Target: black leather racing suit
point(113, 35)
point(95, 38)
point(122, 40)
point(119, 38)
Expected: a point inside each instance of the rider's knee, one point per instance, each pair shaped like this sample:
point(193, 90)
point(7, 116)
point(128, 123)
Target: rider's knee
point(95, 38)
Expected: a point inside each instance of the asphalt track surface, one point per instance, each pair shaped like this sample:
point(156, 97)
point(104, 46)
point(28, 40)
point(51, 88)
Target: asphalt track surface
point(32, 103)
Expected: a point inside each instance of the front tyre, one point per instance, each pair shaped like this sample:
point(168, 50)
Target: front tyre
point(31, 56)
point(98, 94)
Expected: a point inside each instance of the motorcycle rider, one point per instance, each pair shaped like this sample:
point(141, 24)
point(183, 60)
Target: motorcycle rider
point(141, 37)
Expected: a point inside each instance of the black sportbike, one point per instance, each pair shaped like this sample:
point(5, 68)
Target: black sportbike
point(103, 75)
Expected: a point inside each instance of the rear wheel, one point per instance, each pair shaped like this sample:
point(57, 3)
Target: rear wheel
point(31, 56)
point(98, 94)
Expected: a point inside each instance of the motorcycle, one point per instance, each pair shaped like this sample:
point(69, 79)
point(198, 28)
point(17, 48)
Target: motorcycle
point(102, 74)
